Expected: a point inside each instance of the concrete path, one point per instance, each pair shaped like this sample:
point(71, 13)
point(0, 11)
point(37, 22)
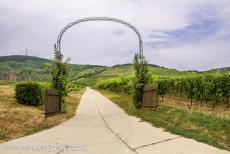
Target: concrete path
point(101, 127)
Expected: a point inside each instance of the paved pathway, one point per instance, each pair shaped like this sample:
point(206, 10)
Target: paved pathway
point(101, 127)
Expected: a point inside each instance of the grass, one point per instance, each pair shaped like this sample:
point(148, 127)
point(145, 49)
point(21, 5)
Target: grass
point(18, 120)
point(220, 111)
point(204, 128)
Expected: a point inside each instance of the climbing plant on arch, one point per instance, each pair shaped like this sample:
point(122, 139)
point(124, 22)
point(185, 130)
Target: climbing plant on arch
point(140, 64)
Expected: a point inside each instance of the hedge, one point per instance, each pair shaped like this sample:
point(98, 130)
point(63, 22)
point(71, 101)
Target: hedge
point(30, 93)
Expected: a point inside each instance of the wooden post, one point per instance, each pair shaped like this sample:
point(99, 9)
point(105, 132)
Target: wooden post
point(52, 102)
point(150, 97)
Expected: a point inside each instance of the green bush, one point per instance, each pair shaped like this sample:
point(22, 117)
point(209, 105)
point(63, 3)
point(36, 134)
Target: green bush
point(29, 93)
point(60, 72)
point(141, 79)
point(74, 87)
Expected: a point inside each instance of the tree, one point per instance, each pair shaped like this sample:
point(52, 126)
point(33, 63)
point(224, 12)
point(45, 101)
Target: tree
point(60, 71)
point(141, 79)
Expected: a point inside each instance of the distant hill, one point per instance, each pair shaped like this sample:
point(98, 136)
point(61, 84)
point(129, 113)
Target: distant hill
point(127, 69)
point(224, 69)
point(21, 58)
point(18, 68)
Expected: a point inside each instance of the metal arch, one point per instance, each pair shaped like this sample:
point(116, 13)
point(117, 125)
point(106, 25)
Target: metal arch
point(58, 45)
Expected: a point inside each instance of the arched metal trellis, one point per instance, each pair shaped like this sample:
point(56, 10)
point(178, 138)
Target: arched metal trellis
point(58, 45)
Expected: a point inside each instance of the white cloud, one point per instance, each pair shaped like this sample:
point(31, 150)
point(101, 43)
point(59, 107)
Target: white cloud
point(202, 56)
point(34, 24)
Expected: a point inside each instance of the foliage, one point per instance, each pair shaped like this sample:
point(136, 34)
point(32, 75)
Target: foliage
point(162, 86)
point(206, 88)
point(45, 85)
point(141, 79)
point(29, 93)
point(209, 89)
point(120, 84)
point(60, 71)
point(131, 85)
point(74, 87)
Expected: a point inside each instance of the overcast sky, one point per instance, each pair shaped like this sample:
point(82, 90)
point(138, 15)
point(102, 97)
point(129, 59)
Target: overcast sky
point(181, 34)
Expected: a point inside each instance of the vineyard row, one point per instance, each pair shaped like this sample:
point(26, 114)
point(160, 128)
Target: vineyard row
point(208, 89)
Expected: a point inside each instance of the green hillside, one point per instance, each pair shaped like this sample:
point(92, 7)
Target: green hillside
point(224, 69)
point(127, 69)
point(15, 68)
point(18, 68)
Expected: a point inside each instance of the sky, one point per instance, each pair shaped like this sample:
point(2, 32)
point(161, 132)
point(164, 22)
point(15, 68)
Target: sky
point(180, 34)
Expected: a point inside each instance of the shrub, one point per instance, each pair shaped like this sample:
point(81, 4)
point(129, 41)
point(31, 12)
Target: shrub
point(142, 78)
point(74, 87)
point(60, 71)
point(29, 93)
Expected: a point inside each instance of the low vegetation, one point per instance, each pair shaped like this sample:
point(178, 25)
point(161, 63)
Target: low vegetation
point(140, 80)
point(205, 89)
point(201, 126)
point(18, 120)
point(59, 71)
point(30, 93)
point(209, 90)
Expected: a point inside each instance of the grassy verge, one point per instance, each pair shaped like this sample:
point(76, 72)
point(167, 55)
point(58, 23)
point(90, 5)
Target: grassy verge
point(18, 120)
point(205, 128)
point(219, 111)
